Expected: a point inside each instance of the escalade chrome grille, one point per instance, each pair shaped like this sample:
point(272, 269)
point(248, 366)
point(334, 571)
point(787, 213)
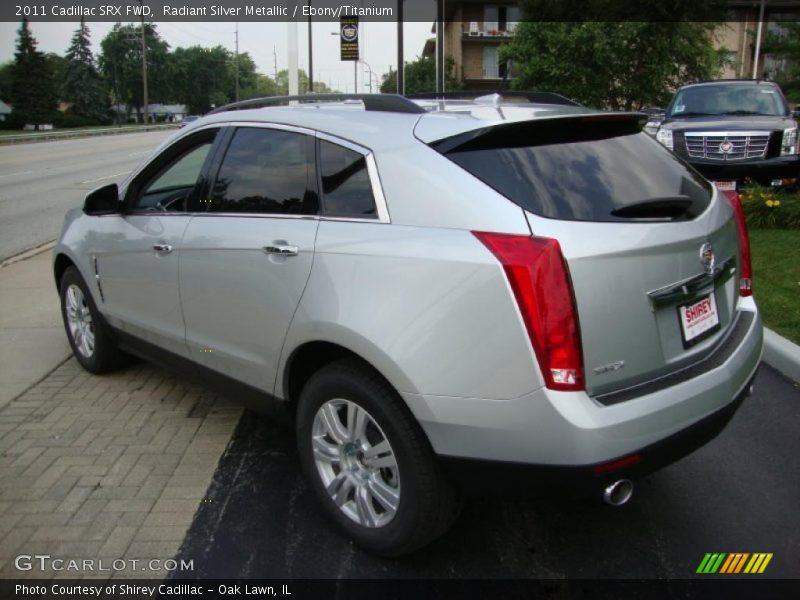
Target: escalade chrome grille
point(716, 145)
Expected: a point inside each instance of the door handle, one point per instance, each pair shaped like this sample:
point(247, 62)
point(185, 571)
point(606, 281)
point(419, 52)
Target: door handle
point(282, 250)
point(162, 248)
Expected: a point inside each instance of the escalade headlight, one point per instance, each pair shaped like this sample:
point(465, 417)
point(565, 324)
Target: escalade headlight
point(665, 137)
point(789, 145)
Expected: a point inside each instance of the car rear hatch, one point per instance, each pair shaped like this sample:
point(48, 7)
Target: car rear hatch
point(651, 247)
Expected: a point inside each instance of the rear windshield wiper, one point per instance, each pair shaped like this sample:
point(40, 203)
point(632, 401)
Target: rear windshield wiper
point(672, 207)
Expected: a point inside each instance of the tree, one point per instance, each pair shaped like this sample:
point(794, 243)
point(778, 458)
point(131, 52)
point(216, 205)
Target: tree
point(784, 43)
point(33, 95)
point(617, 64)
point(83, 85)
point(6, 76)
point(121, 65)
point(420, 77)
point(282, 83)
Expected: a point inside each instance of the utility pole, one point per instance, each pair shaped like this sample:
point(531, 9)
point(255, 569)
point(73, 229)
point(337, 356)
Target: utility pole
point(310, 54)
point(401, 89)
point(237, 61)
point(293, 75)
point(275, 62)
point(758, 39)
point(144, 71)
point(440, 46)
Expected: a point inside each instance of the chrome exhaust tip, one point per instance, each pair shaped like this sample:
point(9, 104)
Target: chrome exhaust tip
point(618, 493)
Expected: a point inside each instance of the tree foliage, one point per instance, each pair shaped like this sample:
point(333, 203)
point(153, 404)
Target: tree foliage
point(616, 64)
point(32, 94)
point(121, 64)
point(83, 85)
point(282, 83)
point(784, 44)
point(420, 77)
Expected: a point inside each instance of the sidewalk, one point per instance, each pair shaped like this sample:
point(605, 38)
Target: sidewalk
point(110, 467)
point(32, 339)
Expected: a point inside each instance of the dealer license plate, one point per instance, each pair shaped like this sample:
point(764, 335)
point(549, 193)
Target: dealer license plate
point(698, 319)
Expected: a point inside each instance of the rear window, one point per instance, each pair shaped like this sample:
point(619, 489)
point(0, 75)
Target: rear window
point(582, 171)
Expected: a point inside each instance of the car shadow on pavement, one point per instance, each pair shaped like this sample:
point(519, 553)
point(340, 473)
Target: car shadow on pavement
point(260, 520)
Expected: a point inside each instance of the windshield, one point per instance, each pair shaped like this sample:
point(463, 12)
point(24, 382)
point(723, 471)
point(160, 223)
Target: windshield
point(746, 99)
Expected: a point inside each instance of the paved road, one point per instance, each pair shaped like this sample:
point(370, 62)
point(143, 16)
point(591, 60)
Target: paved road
point(737, 494)
point(40, 182)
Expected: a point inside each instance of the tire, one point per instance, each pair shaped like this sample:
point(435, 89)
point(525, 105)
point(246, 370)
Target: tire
point(391, 500)
point(87, 332)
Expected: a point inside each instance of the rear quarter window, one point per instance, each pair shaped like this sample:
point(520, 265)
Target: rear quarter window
point(555, 173)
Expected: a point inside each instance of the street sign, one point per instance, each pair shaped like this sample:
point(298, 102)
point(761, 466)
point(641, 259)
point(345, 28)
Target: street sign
point(348, 37)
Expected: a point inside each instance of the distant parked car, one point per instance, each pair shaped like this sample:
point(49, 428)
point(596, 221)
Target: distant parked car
point(734, 129)
point(188, 119)
point(492, 294)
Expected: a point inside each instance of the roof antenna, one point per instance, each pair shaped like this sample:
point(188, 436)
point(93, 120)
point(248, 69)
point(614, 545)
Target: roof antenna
point(509, 64)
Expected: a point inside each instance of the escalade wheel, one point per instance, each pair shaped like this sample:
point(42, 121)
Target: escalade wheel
point(369, 462)
point(88, 334)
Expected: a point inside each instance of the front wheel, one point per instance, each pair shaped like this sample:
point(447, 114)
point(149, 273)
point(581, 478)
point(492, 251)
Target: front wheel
point(87, 332)
point(369, 462)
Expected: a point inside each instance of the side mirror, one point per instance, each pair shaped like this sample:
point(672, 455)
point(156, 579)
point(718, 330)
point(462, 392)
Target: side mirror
point(796, 112)
point(103, 201)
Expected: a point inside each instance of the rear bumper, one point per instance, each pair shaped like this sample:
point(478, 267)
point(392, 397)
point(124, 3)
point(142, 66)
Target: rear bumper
point(564, 430)
point(520, 479)
point(762, 171)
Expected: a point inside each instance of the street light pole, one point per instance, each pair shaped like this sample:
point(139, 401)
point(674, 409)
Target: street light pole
point(237, 61)
point(144, 71)
point(371, 74)
point(310, 54)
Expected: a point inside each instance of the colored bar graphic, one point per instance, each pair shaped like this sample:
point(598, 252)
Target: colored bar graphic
point(734, 563)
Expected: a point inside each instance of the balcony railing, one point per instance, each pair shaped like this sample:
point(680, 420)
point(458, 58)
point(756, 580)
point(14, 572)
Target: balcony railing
point(478, 29)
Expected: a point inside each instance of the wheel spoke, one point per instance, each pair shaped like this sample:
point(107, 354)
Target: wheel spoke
point(340, 487)
point(325, 452)
point(356, 421)
point(364, 508)
point(388, 497)
point(380, 456)
point(88, 340)
point(333, 425)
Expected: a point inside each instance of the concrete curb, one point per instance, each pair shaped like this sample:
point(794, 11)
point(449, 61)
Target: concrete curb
point(782, 354)
point(67, 134)
point(29, 253)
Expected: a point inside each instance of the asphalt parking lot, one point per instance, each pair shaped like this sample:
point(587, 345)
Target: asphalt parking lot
point(737, 494)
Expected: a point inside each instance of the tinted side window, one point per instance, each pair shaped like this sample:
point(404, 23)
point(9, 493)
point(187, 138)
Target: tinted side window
point(266, 171)
point(346, 189)
point(169, 187)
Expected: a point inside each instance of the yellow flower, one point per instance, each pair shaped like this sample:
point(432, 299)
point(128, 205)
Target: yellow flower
point(776, 203)
point(769, 203)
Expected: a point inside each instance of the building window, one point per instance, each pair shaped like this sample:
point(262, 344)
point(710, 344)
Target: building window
point(491, 65)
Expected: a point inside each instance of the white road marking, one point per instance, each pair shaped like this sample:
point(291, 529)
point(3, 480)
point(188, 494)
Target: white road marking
point(106, 177)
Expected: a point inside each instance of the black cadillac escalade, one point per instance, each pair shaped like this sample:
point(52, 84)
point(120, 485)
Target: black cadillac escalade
point(730, 130)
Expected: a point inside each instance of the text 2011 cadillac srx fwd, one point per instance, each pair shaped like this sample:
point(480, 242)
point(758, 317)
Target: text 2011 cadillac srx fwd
point(438, 293)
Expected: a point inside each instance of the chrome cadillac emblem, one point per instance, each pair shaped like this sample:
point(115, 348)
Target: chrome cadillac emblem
point(707, 257)
point(725, 147)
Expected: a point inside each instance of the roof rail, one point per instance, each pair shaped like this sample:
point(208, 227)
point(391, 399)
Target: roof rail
point(534, 97)
point(372, 102)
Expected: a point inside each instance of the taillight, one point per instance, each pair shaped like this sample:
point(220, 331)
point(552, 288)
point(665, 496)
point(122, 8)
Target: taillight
point(538, 276)
point(746, 270)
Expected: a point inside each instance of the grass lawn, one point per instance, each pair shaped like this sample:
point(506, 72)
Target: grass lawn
point(776, 278)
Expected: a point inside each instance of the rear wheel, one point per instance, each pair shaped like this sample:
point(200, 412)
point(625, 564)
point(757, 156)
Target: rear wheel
point(369, 462)
point(87, 332)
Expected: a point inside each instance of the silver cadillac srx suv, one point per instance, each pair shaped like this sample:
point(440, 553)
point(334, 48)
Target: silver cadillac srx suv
point(435, 292)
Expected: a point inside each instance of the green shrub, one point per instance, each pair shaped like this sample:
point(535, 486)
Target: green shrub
point(769, 208)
